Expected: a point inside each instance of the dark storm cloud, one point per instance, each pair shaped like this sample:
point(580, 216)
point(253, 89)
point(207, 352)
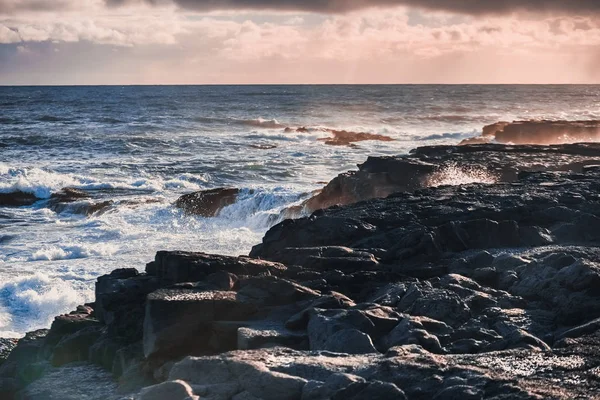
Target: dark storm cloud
point(340, 6)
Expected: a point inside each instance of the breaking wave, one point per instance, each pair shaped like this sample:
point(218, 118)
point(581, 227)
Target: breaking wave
point(42, 184)
point(253, 122)
point(32, 302)
point(73, 251)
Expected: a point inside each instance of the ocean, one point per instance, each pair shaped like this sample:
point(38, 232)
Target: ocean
point(141, 147)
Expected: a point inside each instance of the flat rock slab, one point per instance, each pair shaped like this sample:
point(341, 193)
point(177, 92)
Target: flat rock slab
point(76, 381)
point(178, 266)
point(413, 370)
point(175, 317)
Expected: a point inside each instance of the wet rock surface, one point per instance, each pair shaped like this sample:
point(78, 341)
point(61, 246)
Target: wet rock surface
point(478, 291)
point(207, 203)
point(435, 166)
point(17, 199)
point(6, 346)
point(539, 132)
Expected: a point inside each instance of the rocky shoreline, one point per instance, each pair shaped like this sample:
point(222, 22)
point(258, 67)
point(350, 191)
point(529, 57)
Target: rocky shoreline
point(414, 289)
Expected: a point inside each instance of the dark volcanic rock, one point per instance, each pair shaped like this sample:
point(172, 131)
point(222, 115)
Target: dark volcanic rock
point(6, 346)
point(473, 291)
point(176, 320)
point(207, 203)
point(175, 266)
point(347, 138)
point(378, 177)
point(17, 199)
point(430, 166)
point(540, 132)
point(120, 302)
point(68, 195)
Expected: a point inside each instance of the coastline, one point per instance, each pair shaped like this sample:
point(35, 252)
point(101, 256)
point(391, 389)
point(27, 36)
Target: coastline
point(415, 288)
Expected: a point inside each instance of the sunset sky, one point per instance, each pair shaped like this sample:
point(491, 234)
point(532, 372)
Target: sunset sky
point(289, 41)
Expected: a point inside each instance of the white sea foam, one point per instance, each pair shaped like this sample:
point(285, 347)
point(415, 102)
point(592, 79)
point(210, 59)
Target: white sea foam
point(31, 302)
point(73, 251)
point(259, 208)
point(43, 183)
point(34, 180)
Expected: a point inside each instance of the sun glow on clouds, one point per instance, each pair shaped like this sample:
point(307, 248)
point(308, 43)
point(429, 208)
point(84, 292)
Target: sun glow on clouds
point(171, 45)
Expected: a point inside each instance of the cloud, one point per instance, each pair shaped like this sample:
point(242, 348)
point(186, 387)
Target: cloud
point(143, 41)
point(14, 6)
point(473, 7)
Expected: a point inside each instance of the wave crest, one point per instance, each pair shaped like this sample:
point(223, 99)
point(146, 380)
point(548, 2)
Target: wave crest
point(32, 302)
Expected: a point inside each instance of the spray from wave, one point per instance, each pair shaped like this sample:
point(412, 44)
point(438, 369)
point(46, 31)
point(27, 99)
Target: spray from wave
point(542, 132)
point(455, 175)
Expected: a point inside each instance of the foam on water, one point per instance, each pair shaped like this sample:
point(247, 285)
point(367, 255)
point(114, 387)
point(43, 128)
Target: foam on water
point(72, 251)
point(34, 180)
point(43, 183)
point(31, 302)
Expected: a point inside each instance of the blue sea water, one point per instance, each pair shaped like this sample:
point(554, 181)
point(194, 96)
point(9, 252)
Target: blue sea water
point(143, 146)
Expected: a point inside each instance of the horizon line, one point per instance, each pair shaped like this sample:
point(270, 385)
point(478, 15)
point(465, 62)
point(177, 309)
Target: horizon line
point(297, 84)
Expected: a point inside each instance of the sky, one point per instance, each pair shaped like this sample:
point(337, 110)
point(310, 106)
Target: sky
point(74, 42)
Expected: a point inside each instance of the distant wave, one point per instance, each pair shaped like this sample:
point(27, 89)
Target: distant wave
point(108, 120)
point(450, 118)
point(256, 122)
point(9, 121)
point(52, 118)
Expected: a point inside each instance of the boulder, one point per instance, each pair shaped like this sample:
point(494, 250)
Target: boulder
point(207, 203)
point(17, 199)
point(177, 321)
point(250, 376)
point(349, 341)
point(328, 258)
point(22, 362)
point(66, 325)
point(272, 291)
point(175, 266)
point(120, 302)
point(75, 347)
point(411, 330)
point(438, 304)
point(323, 324)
